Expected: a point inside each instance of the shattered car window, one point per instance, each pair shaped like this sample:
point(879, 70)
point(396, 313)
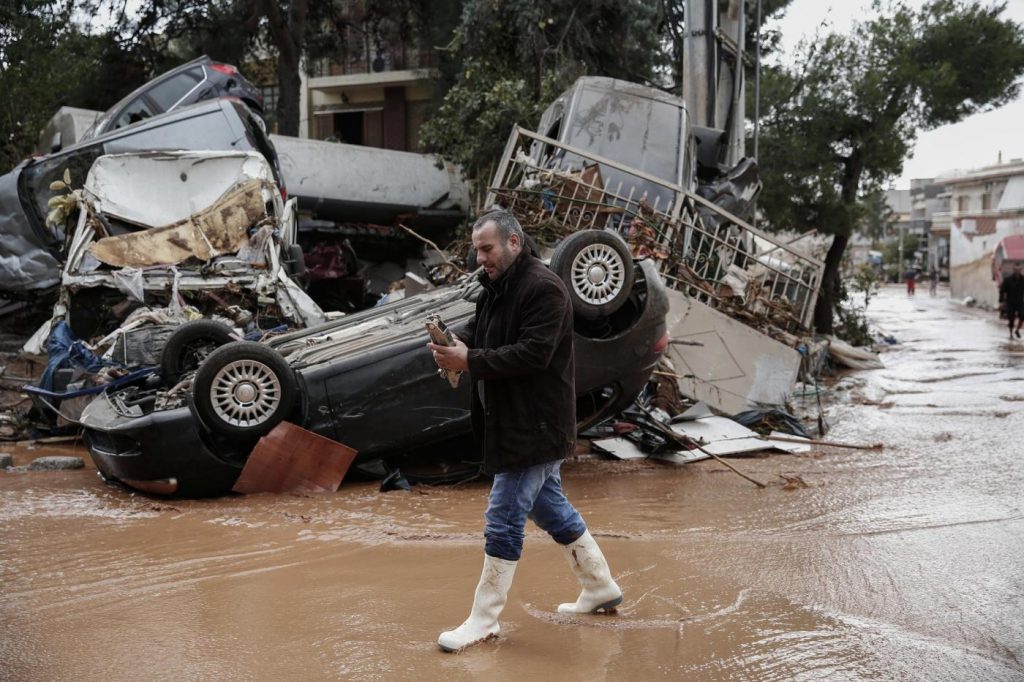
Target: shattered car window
point(37, 178)
point(135, 112)
point(621, 128)
point(168, 93)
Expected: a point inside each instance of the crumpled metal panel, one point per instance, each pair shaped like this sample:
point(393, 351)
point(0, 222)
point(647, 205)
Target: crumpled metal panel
point(25, 263)
point(161, 188)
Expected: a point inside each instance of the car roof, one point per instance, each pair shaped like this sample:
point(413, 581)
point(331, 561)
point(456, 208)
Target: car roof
point(202, 60)
point(188, 111)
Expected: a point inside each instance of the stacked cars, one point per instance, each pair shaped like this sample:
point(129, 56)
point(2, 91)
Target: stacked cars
point(32, 252)
point(365, 380)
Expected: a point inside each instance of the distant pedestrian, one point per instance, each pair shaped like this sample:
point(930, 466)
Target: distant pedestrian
point(933, 285)
point(911, 277)
point(1011, 296)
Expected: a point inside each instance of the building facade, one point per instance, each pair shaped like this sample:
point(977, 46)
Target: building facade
point(376, 92)
point(927, 199)
point(986, 205)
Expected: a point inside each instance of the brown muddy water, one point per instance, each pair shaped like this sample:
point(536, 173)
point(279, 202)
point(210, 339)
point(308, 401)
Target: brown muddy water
point(904, 563)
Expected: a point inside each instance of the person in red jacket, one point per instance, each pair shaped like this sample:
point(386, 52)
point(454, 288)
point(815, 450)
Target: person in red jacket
point(518, 350)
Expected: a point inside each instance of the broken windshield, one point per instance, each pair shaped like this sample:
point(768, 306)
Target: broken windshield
point(36, 180)
point(638, 132)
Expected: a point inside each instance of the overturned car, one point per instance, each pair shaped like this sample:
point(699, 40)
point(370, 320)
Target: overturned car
point(367, 380)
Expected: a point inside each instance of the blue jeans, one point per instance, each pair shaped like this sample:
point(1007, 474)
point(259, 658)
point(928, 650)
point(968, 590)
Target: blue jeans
point(534, 493)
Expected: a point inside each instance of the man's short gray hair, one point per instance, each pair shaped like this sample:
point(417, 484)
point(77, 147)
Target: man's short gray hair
point(506, 222)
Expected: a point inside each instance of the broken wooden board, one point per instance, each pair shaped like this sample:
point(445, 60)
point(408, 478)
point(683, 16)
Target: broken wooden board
point(292, 459)
point(220, 229)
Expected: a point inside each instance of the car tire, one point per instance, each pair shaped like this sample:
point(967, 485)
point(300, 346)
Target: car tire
point(244, 389)
point(189, 345)
point(597, 268)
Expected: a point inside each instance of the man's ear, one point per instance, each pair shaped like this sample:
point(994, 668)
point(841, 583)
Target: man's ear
point(514, 240)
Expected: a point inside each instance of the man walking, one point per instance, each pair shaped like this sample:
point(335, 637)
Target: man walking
point(518, 350)
point(1011, 295)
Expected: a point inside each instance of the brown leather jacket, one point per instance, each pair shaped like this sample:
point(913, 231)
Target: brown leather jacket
point(521, 350)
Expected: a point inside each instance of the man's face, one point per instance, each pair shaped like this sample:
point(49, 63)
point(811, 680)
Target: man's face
point(491, 252)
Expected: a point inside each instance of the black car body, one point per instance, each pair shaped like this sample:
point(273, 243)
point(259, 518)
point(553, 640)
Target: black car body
point(367, 381)
point(194, 81)
point(31, 252)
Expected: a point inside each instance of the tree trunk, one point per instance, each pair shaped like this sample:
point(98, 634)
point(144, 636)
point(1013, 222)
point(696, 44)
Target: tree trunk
point(289, 92)
point(829, 292)
point(288, 31)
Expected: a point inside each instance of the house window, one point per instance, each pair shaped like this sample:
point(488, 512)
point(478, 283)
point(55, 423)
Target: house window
point(961, 203)
point(986, 201)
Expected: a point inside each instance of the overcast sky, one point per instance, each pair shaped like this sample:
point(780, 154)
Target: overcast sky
point(975, 141)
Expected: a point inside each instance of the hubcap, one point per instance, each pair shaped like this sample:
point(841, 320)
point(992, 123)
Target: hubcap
point(598, 274)
point(245, 393)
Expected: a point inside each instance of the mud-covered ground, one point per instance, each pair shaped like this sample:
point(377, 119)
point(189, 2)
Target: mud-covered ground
point(903, 563)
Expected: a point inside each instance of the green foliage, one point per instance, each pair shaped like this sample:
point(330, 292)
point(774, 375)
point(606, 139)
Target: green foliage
point(852, 322)
point(841, 121)
point(507, 60)
point(891, 253)
point(879, 217)
point(865, 281)
point(43, 54)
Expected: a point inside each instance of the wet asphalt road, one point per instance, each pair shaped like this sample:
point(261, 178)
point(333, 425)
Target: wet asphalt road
point(903, 563)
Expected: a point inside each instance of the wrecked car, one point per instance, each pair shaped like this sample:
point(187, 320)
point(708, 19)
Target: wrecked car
point(32, 253)
point(367, 380)
point(197, 80)
point(627, 158)
point(172, 254)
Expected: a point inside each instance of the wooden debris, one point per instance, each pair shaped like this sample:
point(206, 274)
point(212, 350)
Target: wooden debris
point(292, 459)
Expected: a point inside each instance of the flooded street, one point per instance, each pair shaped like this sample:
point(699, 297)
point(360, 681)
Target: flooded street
point(902, 563)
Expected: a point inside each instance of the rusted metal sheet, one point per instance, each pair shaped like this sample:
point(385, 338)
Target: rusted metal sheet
point(292, 459)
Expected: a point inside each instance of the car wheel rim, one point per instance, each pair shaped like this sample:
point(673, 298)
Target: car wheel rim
point(598, 274)
point(245, 393)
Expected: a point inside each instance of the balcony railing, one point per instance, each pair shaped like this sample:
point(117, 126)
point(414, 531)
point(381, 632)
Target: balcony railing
point(700, 249)
point(399, 58)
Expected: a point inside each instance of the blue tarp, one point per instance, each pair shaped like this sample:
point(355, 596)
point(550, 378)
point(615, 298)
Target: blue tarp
point(67, 350)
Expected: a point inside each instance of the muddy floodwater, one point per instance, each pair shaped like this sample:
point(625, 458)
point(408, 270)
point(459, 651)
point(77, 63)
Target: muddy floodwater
point(900, 563)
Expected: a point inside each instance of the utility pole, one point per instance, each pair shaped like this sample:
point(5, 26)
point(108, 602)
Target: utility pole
point(757, 85)
point(900, 248)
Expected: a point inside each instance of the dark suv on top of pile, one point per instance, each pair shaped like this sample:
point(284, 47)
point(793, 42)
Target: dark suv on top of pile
point(194, 81)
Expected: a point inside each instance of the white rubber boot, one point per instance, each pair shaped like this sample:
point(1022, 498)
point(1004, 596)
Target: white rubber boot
point(488, 602)
point(588, 564)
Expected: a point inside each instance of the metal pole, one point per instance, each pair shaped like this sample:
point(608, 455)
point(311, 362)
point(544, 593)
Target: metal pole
point(739, 108)
point(757, 102)
point(900, 248)
point(757, 82)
